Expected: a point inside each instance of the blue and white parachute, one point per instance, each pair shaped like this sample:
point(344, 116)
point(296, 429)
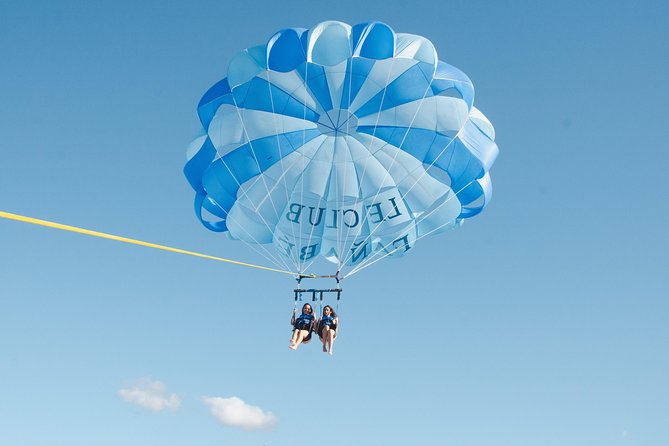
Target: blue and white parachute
point(349, 143)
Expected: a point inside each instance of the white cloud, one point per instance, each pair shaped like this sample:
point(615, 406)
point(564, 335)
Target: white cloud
point(150, 395)
point(236, 413)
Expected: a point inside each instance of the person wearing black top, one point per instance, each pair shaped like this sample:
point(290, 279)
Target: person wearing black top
point(327, 328)
point(302, 326)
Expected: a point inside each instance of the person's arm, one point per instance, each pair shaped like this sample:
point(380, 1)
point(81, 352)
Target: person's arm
point(292, 319)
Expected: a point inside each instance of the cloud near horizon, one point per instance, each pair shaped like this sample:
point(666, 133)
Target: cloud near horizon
point(150, 394)
point(234, 412)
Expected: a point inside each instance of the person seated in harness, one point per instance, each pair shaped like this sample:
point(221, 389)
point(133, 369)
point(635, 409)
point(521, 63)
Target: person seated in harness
point(327, 328)
point(302, 326)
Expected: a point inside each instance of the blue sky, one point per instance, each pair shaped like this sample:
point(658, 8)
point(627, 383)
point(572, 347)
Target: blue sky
point(542, 321)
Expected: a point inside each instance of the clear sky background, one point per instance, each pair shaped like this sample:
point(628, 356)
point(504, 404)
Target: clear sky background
point(543, 321)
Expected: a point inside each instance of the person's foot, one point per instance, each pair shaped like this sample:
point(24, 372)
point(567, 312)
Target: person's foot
point(324, 349)
point(330, 353)
point(292, 347)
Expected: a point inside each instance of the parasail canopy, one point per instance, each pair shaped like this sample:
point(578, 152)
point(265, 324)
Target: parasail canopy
point(348, 143)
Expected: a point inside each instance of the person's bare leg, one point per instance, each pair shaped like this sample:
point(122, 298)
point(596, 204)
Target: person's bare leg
point(331, 338)
point(301, 334)
point(293, 341)
point(324, 338)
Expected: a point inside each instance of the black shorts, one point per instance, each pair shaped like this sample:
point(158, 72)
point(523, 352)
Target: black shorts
point(322, 327)
point(307, 338)
point(302, 325)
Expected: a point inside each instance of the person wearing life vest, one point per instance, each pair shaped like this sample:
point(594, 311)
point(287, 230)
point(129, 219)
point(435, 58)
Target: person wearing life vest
point(302, 326)
point(327, 328)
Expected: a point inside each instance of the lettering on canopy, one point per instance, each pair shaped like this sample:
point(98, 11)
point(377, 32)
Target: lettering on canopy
point(348, 217)
point(351, 231)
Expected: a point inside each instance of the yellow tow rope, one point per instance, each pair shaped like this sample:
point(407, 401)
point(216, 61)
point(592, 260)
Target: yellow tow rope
point(51, 224)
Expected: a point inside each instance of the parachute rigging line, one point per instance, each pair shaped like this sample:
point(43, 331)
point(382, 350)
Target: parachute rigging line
point(50, 224)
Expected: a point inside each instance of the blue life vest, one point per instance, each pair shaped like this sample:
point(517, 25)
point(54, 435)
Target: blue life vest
point(304, 320)
point(327, 321)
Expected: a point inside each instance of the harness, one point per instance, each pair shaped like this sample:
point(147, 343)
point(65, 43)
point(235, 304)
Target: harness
point(320, 291)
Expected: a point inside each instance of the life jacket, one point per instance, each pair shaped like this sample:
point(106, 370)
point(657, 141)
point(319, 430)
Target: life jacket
point(304, 320)
point(327, 321)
